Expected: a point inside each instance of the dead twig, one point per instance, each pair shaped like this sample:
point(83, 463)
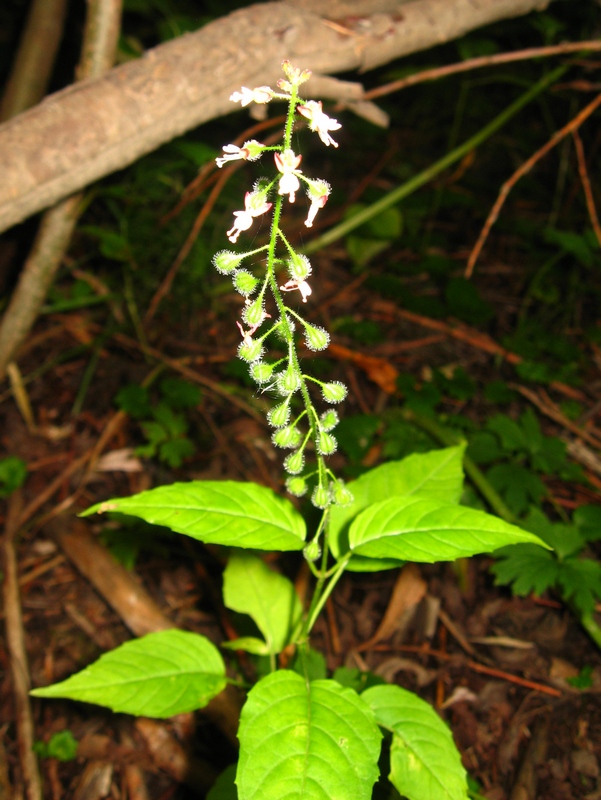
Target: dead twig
point(586, 185)
point(15, 641)
point(482, 61)
point(519, 173)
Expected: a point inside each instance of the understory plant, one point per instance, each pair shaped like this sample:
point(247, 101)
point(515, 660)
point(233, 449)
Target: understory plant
point(301, 734)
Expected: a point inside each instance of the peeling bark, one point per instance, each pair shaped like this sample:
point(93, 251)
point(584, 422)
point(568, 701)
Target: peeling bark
point(89, 130)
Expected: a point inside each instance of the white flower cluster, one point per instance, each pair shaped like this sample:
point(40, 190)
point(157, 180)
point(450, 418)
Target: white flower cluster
point(285, 375)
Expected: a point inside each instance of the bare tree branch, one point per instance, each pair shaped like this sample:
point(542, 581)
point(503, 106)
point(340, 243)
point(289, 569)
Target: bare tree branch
point(92, 129)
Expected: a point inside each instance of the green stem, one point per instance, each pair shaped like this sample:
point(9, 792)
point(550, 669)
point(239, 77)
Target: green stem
point(338, 231)
point(320, 597)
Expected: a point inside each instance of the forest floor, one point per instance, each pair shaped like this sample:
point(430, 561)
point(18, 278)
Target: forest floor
point(516, 677)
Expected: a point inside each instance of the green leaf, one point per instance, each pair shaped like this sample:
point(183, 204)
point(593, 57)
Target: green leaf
point(424, 761)
point(422, 529)
point(439, 472)
point(134, 400)
point(224, 787)
point(62, 746)
point(306, 741)
point(250, 644)
point(179, 393)
point(588, 521)
point(217, 512)
point(580, 579)
point(13, 472)
point(175, 451)
point(519, 486)
point(159, 675)
point(250, 587)
point(527, 567)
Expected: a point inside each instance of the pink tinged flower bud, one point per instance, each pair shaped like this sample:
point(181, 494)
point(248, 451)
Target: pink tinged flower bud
point(297, 486)
point(334, 392)
point(319, 122)
point(255, 204)
point(287, 163)
point(318, 193)
point(302, 286)
point(249, 151)
point(262, 94)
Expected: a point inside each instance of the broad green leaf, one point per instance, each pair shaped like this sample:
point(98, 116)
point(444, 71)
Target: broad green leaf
point(306, 741)
point(250, 587)
point(439, 473)
point(424, 761)
point(424, 529)
point(580, 579)
point(159, 675)
point(217, 512)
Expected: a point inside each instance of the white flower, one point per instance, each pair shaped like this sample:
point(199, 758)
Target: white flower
point(318, 121)
point(262, 94)
point(255, 204)
point(287, 163)
point(249, 151)
point(302, 286)
point(318, 192)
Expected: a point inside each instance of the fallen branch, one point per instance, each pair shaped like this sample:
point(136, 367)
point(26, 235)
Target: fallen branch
point(91, 129)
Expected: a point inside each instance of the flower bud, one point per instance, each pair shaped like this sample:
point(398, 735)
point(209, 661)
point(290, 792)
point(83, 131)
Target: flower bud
point(250, 350)
point(326, 444)
point(312, 550)
point(254, 313)
point(286, 437)
point(334, 392)
point(226, 261)
point(328, 420)
point(297, 486)
point(342, 495)
point(295, 462)
point(261, 372)
point(316, 338)
point(245, 282)
point(321, 497)
point(289, 380)
point(278, 416)
point(299, 267)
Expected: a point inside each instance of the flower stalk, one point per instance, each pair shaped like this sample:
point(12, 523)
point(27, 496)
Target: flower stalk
point(285, 375)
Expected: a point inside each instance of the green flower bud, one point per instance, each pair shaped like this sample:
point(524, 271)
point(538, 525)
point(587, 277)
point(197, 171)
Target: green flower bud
point(326, 444)
point(299, 267)
point(312, 550)
point(295, 462)
point(245, 282)
point(321, 497)
point(278, 416)
point(289, 380)
point(261, 372)
point(328, 420)
point(287, 437)
point(342, 495)
point(334, 392)
point(316, 338)
point(226, 261)
point(297, 486)
point(250, 350)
